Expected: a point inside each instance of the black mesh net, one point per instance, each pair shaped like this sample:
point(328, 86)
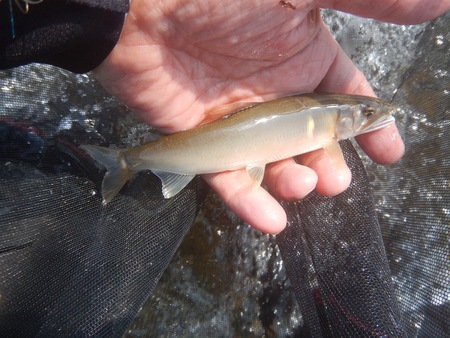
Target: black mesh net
point(70, 265)
point(414, 206)
point(335, 258)
point(359, 264)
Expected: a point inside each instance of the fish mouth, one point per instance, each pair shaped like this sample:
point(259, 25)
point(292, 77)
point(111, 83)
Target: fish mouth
point(378, 124)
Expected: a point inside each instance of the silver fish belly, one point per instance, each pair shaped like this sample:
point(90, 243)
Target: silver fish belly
point(250, 137)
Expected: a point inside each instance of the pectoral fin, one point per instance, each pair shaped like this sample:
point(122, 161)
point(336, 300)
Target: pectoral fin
point(256, 172)
point(334, 151)
point(172, 183)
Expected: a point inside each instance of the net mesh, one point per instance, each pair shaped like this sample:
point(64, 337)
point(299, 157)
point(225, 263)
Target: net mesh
point(73, 267)
point(335, 259)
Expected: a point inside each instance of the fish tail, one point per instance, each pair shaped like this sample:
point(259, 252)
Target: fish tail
point(117, 171)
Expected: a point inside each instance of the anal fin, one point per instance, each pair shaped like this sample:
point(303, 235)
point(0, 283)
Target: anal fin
point(172, 183)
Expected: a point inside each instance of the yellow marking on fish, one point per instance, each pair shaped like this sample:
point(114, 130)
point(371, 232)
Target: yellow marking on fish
point(310, 127)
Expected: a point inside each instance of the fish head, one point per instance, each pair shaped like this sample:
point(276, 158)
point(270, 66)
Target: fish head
point(365, 115)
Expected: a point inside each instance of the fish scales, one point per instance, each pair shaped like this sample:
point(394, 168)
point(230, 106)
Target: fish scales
point(235, 142)
point(249, 138)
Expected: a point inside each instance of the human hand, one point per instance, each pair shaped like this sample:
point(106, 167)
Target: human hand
point(176, 60)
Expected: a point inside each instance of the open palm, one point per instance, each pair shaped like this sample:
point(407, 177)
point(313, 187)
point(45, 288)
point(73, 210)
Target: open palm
point(177, 60)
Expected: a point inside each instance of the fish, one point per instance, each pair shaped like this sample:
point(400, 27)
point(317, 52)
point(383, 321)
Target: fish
point(249, 136)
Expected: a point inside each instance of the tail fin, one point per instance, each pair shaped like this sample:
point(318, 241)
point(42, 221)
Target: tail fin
point(117, 171)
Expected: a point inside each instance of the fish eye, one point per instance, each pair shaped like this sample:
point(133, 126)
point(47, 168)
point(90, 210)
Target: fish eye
point(368, 111)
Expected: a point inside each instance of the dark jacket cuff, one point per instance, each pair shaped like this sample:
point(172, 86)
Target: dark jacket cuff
point(76, 35)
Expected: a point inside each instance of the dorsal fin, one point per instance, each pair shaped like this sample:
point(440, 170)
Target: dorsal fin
point(227, 110)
